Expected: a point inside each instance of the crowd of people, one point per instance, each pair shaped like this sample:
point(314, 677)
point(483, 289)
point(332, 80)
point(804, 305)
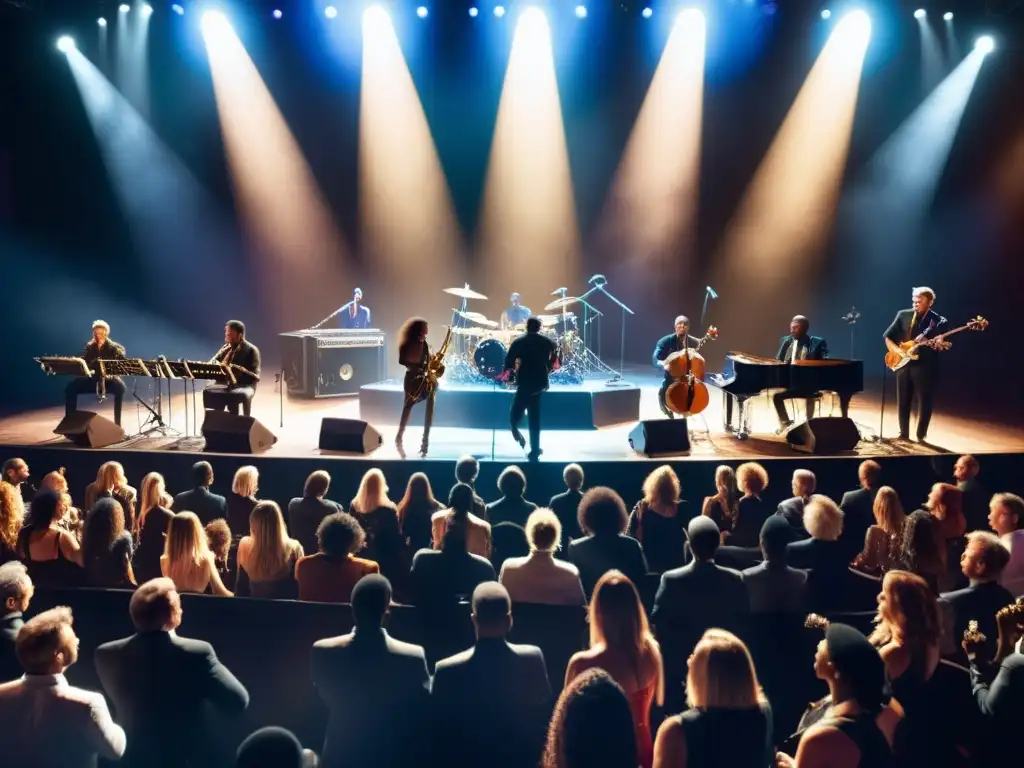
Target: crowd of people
point(676, 596)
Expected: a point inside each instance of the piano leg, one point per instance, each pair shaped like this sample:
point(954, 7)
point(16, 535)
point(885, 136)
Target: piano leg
point(844, 403)
point(726, 411)
point(742, 418)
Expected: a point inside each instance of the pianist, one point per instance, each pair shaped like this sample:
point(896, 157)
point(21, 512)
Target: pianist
point(798, 345)
point(245, 359)
point(100, 347)
point(354, 314)
point(667, 345)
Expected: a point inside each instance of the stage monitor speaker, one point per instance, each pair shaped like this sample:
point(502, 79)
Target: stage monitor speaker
point(661, 437)
point(89, 430)
point(825, 435)
point(351, 435)
point(229, 433)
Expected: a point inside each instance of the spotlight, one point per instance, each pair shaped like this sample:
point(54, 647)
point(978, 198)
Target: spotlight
point(65, 44)
point(499, 11)
point(178, 9)
point(473, 12)
point(826, 14)
point(331, 12)
point(581, 12)
point(422, 11)
point(124, 8)
point(985, 44)
point(277, 13)
point(101, 21)
point(147, 10)
point(920, 13)
point(947, 16)
point(647, 13)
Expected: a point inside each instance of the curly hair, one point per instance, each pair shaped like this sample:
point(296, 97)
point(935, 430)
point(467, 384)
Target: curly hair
point(751, 477)
point(662, 487)
point(913, 614)
point(512, 482)
point(12, 513)
point(410, 331)
point(340, 534)
point(602, 511)
point(592, 725)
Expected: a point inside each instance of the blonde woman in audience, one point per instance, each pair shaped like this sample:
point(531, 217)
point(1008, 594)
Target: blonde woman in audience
point(267, 556)
point(883, 543)
point(822, 554)
point(111, 483)
point(751, 509)
point(187, 559)
point(153, 520)
point(621, 643)
point(722, 506)
point(70, 518)
point(377, 515)
point(416, 511)
point(242, 498)
point(12, 514)
point(659, 520)
point(539, 577)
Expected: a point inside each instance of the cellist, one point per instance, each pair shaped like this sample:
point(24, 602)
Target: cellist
point(667, 346)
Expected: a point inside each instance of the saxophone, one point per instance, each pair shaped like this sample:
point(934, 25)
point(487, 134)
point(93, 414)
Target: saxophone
point(434, 370)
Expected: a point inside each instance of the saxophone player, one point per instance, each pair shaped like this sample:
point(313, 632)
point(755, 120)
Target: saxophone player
point(414, 354)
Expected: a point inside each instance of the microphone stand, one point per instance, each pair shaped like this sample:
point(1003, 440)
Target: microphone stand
point(851, 318)
point(704, 308)
point(600, 286)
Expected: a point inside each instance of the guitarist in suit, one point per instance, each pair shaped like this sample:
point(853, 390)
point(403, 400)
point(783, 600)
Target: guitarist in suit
point(414, 354)
point(799, 345)
point(918, 378)
point(239, 352)
point(668, 345)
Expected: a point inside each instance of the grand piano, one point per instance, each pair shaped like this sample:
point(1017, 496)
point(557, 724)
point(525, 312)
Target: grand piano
point(746, 376)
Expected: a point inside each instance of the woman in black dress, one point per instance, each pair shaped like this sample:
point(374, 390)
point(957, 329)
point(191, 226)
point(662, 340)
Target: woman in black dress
point(414, 354)
point(154, 517)
point(52, 555)
point(751, 509)
point(378, 516)
point(722, 506)
point(267, 556)
point(107, 546)
point(415, 510)
point(659, 520)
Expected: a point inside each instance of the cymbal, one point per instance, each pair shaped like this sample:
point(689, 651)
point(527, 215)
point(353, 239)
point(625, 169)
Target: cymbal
point(465, 293)
point(487, 323)
point(475, 317)
point(546, 321)
point(560, 303)
point(468, 331)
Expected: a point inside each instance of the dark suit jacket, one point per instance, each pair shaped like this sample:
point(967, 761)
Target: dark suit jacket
point(375, 689)
point(160, 684)
point(304, 516)
point(438, 578)
point(1003, 698)
point(980, 602)
point(596, 555)
point(565, 506)
point(667, 345)
point(736, 558)
point(536, 355)
point(247, 356)
point(207, 506)
point(829, 570)
point(976, 500)
point(931, 325)
point(491, 704)
point(10, 667)
point(776, 589)
point(858, 515)
point(361, 320)
point(817, 348)
point(507, 510)
point(793, 510)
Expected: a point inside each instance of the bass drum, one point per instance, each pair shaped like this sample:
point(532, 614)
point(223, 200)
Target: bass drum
point(489, 358)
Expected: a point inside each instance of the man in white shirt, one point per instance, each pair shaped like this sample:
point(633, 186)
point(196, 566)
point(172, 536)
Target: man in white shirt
point(1006, 515)
point(46, 721)
point(539, 577)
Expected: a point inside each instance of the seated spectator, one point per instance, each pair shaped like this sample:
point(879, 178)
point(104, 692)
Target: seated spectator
point(306, 513)
point(773, 586)
point(467, 469)
point(153, 521)
point(821, 554)
point(566, 507)
point(329, 575)
point(187, 560)
point(592, 725)
point(858, 506)
point(622, 645)
point(206, 506)
point(162, 684)
point(883, 543)
point(945, 504)
point(539, 577)
point(493, 700)
point(605, 547)
point(48, 722)
point(218, 537)
point(982, 563)
point(721, 507)
point(111, 483)
point(751, 509)
point(511, 507)
point(507, 540)
point(1006, 516)
point(460, 504)
point(16, 592)
point(920, 553)
point(71, 518)
point(999, 687)
point(15, 473)
point(378, 516)
point(12, 515)
point(416, 511)
point(659, 520)
point(273, 747)
point(792, 509)
point(372, 684)
point(976, 497)
point(729, 721)
point(107, 547)
point(53, 556)
point(443, 577)
point(242, 499)
point(267, 556)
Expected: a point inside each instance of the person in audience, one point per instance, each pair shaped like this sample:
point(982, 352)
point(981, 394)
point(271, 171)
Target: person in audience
point(372, 685)
point(907, 634)
point(821, 554)
point(267, 556)
point(920, 553)
point(53, 556)
point(858, 507)
point(378, 516)
point(443, 577)
point(206, 505)
point(592, 725)
point(566, 507)
point(999, 687)
point(477, 531)
point(539, 577)
point(659, 520)
point(187, 559)
point(219, 539)
point(883, 542)
point(111, 483)
point(945, 504)
point(71, 518)
point(273, 747)
point(15, 475)
point(16, 591)
point(153, 521)
point(1006, 517)
point(721, 507)
point(751, 509)
point(164, 685)
point(491, 701)
point(467, 469)
point(107, 546)
point(729, 720)
point(330, 574)
point(982, 563)
point(622, 645)
point(416, 511)
point(507, 540)
point(976, 497)
point(242, 499)
point(859, 727)
point(773, 586)
point(792, 509)
point(306, 512)
point(604, 546)
point(12, 515)
point(511, 507)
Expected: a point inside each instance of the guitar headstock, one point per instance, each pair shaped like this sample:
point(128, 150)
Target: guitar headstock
point(977, 324)
point(712, 333)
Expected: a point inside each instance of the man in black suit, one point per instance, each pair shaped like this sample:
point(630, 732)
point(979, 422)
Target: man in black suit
point(797, 346)
point(772, 586)
point(917, 379)
point(161, 683)
point(976, 496)
point(375, 687)
point(354, 314)
point(982, 563)
point(668, 345)
point(858, 508)
point(792, 509)
point(566, 506)
point(492, 701)
point(16, 592)
point(532, 356)
point(207, 506)
point(237, 352)
point(306, 513)
point(99, 347)
point(442, 578)
point(466, 470)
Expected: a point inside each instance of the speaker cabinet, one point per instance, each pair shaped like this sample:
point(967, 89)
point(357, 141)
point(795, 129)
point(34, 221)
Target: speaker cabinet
point(89, 430)
point(229, 433)
point(823, 436)
point(351, 435)
point(661, 437)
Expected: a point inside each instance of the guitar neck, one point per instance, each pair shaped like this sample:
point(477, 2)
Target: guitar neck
point(951, 333)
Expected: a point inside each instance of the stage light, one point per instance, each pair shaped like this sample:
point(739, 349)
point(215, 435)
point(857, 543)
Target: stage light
point(920, 13)
point(331, 12)
point(422, 11)
point(581, 12)
point(826, 14)
point(690, 16)
point(216, 27)
point(147, 10)
point(473, 12)
point(277, 13)
point(178, 9)
point(101, 21)
point(947, 16)
point(985, 44)
point(647, 13)
point(124, 8)
point(499, 11)
point(65, 44)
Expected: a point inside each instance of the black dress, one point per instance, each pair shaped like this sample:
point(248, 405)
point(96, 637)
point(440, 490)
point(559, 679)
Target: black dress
point(108, 568)
point(56, 572)
point(239, 508)
point(718, 514)
point(663, 539)
point(728, 738)
point(416, 526)
point(284, 587)
point(146, 560)
point(384, 543)
point(751, 514)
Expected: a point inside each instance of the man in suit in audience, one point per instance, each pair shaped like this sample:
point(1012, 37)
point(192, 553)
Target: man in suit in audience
point(792, 510)
point(375, 688)
point(16, 592)
point(466, 470)
point(161, 683)
point(306, 513)
point(442, 578)
point(492, 701)
point(566, 506)
point(858, 508)
point(772, 586)
point(207, 506)
point(976, 496)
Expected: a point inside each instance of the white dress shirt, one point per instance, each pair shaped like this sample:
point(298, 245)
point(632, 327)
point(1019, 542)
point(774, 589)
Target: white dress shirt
point(540, 578)
point(1012, 576)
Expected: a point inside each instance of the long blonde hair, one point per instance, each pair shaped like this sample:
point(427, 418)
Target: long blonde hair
point(12, 514)
point(662, 487)
point(888, 511)
point(372, 493)
point(915, 622)
point(271, 549)
point(722, 674)
point(185, 547)
point(152, 494)
point(111, 477)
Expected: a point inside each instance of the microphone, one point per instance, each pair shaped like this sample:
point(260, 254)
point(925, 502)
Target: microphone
point(851, 317)
point(711, 292)
point(559, 291)
point(597, 280)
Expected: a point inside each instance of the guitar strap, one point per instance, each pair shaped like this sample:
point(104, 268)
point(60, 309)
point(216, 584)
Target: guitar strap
point(913, 325)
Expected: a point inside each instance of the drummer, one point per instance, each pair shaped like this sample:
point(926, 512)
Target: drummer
point(668, 345)
point(515, 314)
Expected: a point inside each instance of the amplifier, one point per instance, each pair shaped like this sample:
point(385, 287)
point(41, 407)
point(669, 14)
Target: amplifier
point(332, 363)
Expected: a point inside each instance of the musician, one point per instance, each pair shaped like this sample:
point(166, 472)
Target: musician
point(798, 345)
point(100, 347)
point(515, 313)
point(414, 354)
point(532, 356)
point(917, 379)
point(245, 357)
point(354, 314)
point(666, 346)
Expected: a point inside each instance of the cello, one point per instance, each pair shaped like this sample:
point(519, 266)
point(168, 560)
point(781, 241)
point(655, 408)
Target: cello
point(689, 395)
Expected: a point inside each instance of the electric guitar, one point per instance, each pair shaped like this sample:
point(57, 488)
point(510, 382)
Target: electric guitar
point(908, 349)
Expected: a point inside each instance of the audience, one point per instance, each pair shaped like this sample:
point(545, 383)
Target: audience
point(920, 553)
point(416, 512)
point(375, 687)
point(467, 469)
point(751, 509)
point(111, 483)
point(330, 574)
point(12, 515)
point(945, 504)
point(306, 513)
point(773, 587)
point(729, 721)
point(220, 541)
point(539, 577)
point(659, 520)
point(982, 563)
point(48, 722)
point(53, 556)
point(70, 518)
point(206, 505)
point(443, 577)
point(592, 725)
point(566, 506)
point(511, 507)
point(15, 476)
point(821, 555)
point(153, 521)
point(507, 540)
point(378, 516)
point(858, 507)
point(187, 560)
point(242, 499)
point(161, 683)
point(883, 542)
point(622, 645)
point(975, 496)
point(107, 546)
point(273, 747)
point(1006, 516)
point(16, 590)
point(721, 507)
point(792, 510)
point(267, 556)
point(459, 514)
point(604, 546)
point(998, 687)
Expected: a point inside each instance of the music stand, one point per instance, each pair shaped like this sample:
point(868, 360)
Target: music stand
point(599, 283)
point(177, 369)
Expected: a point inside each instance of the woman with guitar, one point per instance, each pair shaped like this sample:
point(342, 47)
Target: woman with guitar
point(422, 373)
point(677, 354)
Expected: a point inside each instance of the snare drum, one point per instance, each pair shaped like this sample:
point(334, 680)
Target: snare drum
point(489, 358)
